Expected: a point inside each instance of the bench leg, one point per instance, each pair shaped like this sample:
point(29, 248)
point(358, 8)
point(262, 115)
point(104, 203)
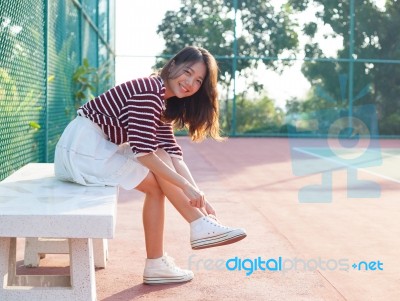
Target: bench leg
point(79, 286)
point(4, 257)
point(82, 268)
point(100, 252)
point(36, 248)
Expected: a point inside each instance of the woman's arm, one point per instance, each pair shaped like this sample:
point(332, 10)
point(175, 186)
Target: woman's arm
point(182, 169)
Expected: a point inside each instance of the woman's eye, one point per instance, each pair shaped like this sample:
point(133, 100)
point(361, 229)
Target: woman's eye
point(200, 81)
point(187, 71)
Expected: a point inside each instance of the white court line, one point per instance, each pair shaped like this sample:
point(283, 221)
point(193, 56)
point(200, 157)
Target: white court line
point(347, 165)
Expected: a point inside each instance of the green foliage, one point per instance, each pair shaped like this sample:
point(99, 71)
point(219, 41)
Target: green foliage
point(209, 23)
point(376, 33)
point(22, 90)
point(16, 111)
point(86, 80)
point(310, 29)
point(264, 31)
point(59, 93)
point(19, 119)
point(391, 124)
point(257, 116)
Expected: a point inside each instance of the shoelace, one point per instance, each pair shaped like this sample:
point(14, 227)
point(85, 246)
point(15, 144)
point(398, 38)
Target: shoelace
point(216, 222)
point(170, 261)
point(214, 218)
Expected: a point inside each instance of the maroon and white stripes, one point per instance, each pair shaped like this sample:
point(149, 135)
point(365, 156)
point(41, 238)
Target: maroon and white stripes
point(131, 112)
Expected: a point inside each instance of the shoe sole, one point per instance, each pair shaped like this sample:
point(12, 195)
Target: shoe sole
point(163, 280)
point(218, 240)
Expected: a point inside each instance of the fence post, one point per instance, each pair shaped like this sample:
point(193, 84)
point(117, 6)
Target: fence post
point(234, 67)
point(46, 75)
point(351, 62)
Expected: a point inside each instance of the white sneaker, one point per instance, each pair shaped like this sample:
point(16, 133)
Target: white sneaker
point(207, 232)
point(163, 271)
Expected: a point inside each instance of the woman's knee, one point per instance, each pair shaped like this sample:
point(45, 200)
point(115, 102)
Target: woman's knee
point(150, 186)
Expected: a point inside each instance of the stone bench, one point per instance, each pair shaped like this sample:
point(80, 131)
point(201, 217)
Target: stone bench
point(36, 248)
point(33, 203)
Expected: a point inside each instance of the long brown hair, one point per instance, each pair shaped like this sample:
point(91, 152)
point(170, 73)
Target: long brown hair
point(199, 112)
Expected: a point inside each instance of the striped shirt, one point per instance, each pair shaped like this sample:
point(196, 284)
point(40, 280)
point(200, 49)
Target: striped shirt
point(131, 112)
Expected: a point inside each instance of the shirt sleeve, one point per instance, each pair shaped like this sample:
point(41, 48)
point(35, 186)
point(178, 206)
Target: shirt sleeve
point(166, 140)
point(143, 121)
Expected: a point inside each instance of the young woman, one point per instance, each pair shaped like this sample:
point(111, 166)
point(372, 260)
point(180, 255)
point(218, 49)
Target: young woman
point(124, 137)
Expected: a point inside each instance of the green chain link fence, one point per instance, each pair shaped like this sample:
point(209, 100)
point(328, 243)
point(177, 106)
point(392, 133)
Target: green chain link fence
point(348, 52)
point(54, 56)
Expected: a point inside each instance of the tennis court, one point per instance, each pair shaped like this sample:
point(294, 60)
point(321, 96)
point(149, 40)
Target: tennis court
point(251, 183)
point(380, 162)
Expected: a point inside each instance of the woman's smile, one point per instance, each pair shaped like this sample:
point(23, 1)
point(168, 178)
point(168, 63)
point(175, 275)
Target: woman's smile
point(187, 83)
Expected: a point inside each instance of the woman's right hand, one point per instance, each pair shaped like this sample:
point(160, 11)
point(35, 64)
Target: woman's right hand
point(196, 197)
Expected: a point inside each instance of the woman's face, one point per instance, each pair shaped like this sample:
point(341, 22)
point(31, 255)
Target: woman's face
point(188, 82)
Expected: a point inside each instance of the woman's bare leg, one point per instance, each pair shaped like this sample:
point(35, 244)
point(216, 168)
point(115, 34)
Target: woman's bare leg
point(156, 189)
point(174, 194)
point(158, 269)
point(153, 216)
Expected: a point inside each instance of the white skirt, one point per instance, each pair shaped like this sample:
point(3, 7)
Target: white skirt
point(84, 155)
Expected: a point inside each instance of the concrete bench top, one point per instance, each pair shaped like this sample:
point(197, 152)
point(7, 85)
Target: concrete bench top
point(33, 203)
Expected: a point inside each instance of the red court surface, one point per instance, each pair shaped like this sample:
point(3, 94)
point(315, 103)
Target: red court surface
point(251, 184)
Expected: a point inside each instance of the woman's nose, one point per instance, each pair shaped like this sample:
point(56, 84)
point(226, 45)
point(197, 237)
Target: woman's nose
point(189, 81)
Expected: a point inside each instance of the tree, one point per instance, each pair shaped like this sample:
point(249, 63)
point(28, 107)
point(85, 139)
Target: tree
point(376, 35)
point(209, 24)
point(258, 115)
